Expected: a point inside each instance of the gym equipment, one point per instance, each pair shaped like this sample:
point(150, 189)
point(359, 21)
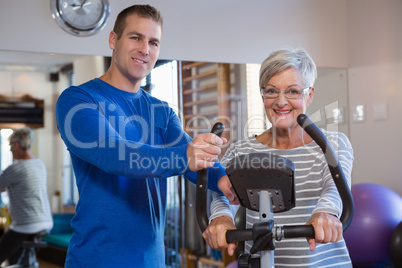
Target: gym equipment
point(269, 188)
point(395, 246)
point(30, 246)
point(377, 213)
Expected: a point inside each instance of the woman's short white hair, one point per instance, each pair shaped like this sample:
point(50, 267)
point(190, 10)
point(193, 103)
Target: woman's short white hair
point(23, 136)
point(282, 59)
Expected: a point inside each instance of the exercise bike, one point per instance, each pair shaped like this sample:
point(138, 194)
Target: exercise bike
point(268, 189)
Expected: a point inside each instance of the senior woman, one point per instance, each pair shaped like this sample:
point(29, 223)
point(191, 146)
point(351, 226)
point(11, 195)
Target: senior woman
point(286, 80)
point(25, 181)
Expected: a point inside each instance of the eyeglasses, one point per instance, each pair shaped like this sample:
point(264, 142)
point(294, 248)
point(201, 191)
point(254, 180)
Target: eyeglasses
point(291, 94)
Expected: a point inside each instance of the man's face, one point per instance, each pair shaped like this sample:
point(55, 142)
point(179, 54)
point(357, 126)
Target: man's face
point(137, 50)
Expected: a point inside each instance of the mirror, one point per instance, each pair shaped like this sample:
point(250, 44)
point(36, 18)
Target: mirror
point(22, 72)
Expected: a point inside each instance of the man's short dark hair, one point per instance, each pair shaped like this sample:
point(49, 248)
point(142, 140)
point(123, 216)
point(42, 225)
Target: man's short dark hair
point(144, 11)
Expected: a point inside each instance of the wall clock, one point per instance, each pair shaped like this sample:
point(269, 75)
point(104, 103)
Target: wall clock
point(80, 17)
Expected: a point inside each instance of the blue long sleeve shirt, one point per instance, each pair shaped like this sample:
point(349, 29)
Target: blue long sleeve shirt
point(123, 146)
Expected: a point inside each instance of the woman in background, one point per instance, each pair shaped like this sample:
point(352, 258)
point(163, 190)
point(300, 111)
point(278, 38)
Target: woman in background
point(26, 185)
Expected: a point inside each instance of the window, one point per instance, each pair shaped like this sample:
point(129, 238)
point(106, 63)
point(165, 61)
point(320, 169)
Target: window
point(6, 156)
point(6, 159)
point(70, 191)
point(163, 85)
point(257, 122)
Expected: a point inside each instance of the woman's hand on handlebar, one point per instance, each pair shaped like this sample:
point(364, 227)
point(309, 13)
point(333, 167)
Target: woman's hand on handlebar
point(327, 228)
point(215, 234)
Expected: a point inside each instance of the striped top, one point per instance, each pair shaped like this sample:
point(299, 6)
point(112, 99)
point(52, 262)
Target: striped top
point(26, 185)
point(315, 192)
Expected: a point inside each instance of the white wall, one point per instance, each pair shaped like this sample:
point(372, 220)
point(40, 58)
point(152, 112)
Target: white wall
point(234, 31)
point(87, 68)
point(375, 77)
point(331, 92)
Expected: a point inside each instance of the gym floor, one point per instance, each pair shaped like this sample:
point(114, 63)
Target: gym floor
point(45, 264)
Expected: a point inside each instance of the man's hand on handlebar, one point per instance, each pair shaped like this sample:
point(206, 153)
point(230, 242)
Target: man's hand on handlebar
point(215, 234)
point(203, 151)
point(327, 228)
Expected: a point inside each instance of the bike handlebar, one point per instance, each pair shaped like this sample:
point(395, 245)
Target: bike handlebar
point(202, 187)
point(334, 167)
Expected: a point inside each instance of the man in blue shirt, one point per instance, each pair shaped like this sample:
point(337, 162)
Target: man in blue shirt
point(124, 143)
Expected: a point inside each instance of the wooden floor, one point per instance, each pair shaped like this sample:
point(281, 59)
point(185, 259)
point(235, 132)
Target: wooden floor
point(44, 264)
